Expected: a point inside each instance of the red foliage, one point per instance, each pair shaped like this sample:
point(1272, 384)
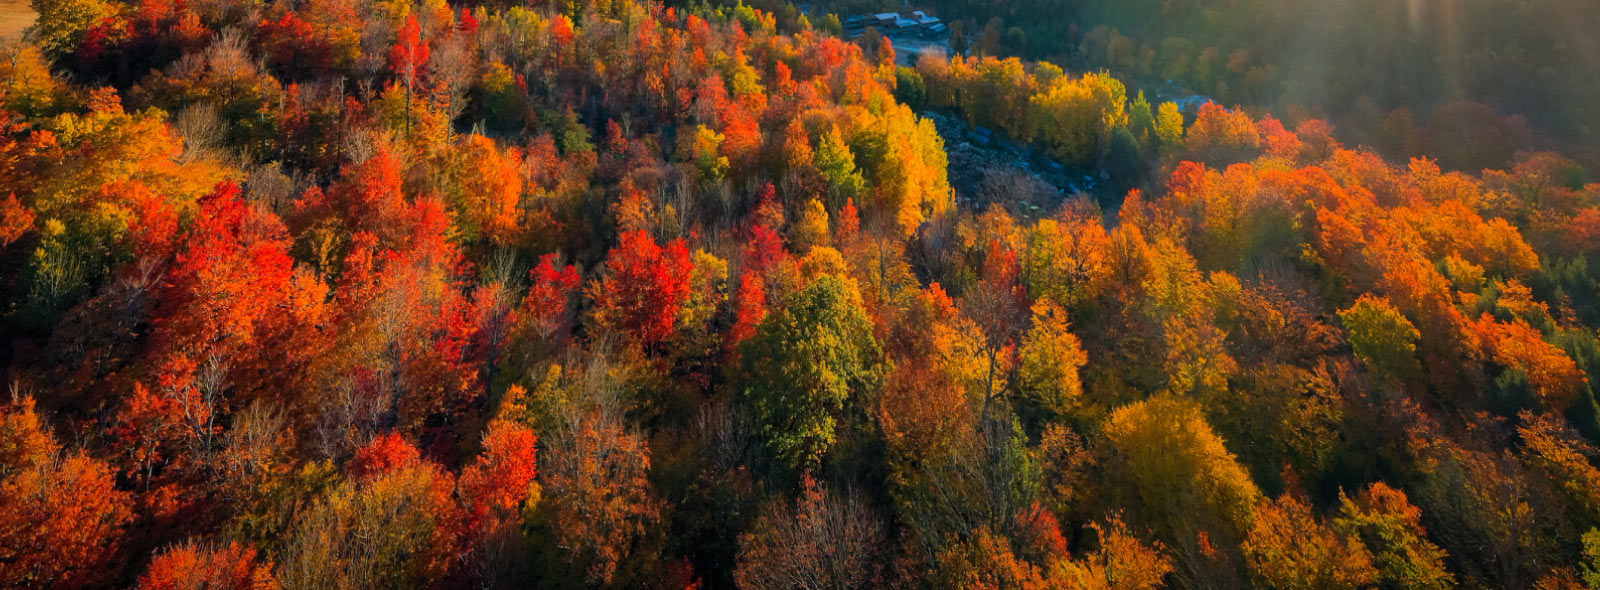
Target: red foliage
point(849, 222)
point(545, 308)
point(235, 261)
point(368, 194)
point(292, 43)
point(386, 453)
point(783, 79)
point(1280, 142)
point(225, 294)
point(749, 308)
point(561, 30)
point(410, 52)
point(1038, 535)
point(769, 212)
point(99, 39)
point(148, 425)
point(645, 287)
point(765, 250)
point(155, 233)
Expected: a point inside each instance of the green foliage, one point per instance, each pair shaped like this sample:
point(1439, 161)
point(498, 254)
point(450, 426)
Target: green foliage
point(1124, 160)
point(1383, 338)
point(1142, 122)
point(1390, 528)
point(1013, 475)
point(1584, 349)
point(571, 135)
point(1591, 554)
point(267, 515)
point(59, 273)
point(910, 88)
point(838, 166)
point(804, 364)
point(501, 104)
point(1511, 392)
point(830, 24)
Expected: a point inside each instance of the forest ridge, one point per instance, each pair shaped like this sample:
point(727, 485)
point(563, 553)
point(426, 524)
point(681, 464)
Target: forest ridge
point(371, 294)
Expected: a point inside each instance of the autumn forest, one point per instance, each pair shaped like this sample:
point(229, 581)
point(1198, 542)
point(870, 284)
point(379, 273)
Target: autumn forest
point(408, 294)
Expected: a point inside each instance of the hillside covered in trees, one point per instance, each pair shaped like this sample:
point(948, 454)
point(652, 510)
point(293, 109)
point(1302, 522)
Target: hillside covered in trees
point(368, 294)
point(1407, 77)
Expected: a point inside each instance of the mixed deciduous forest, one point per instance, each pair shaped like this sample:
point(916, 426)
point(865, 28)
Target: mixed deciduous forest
point(371, 294)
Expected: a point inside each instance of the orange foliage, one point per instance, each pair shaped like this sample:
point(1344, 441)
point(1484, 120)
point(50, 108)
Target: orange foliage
point(1266, 298)
point(1220, 136)
point(493, 191)
point(1554, 376)
point(192, 567)
point(385, 453)
point(15, 220)
point(599, 496)
point(60, 516)
point(500, 480)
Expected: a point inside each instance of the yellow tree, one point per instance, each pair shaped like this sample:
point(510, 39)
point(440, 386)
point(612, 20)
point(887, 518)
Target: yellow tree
point(1076, 118)
point(26, 84)
point(1169, 127)
point(1051, 356)
point(1185, 479)
point(62, 23)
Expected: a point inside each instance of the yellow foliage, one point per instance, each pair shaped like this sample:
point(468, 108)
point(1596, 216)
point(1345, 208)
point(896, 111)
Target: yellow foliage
point(26, 84)
point(811, 229)
point(1051, 356)
point(1183, 473)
